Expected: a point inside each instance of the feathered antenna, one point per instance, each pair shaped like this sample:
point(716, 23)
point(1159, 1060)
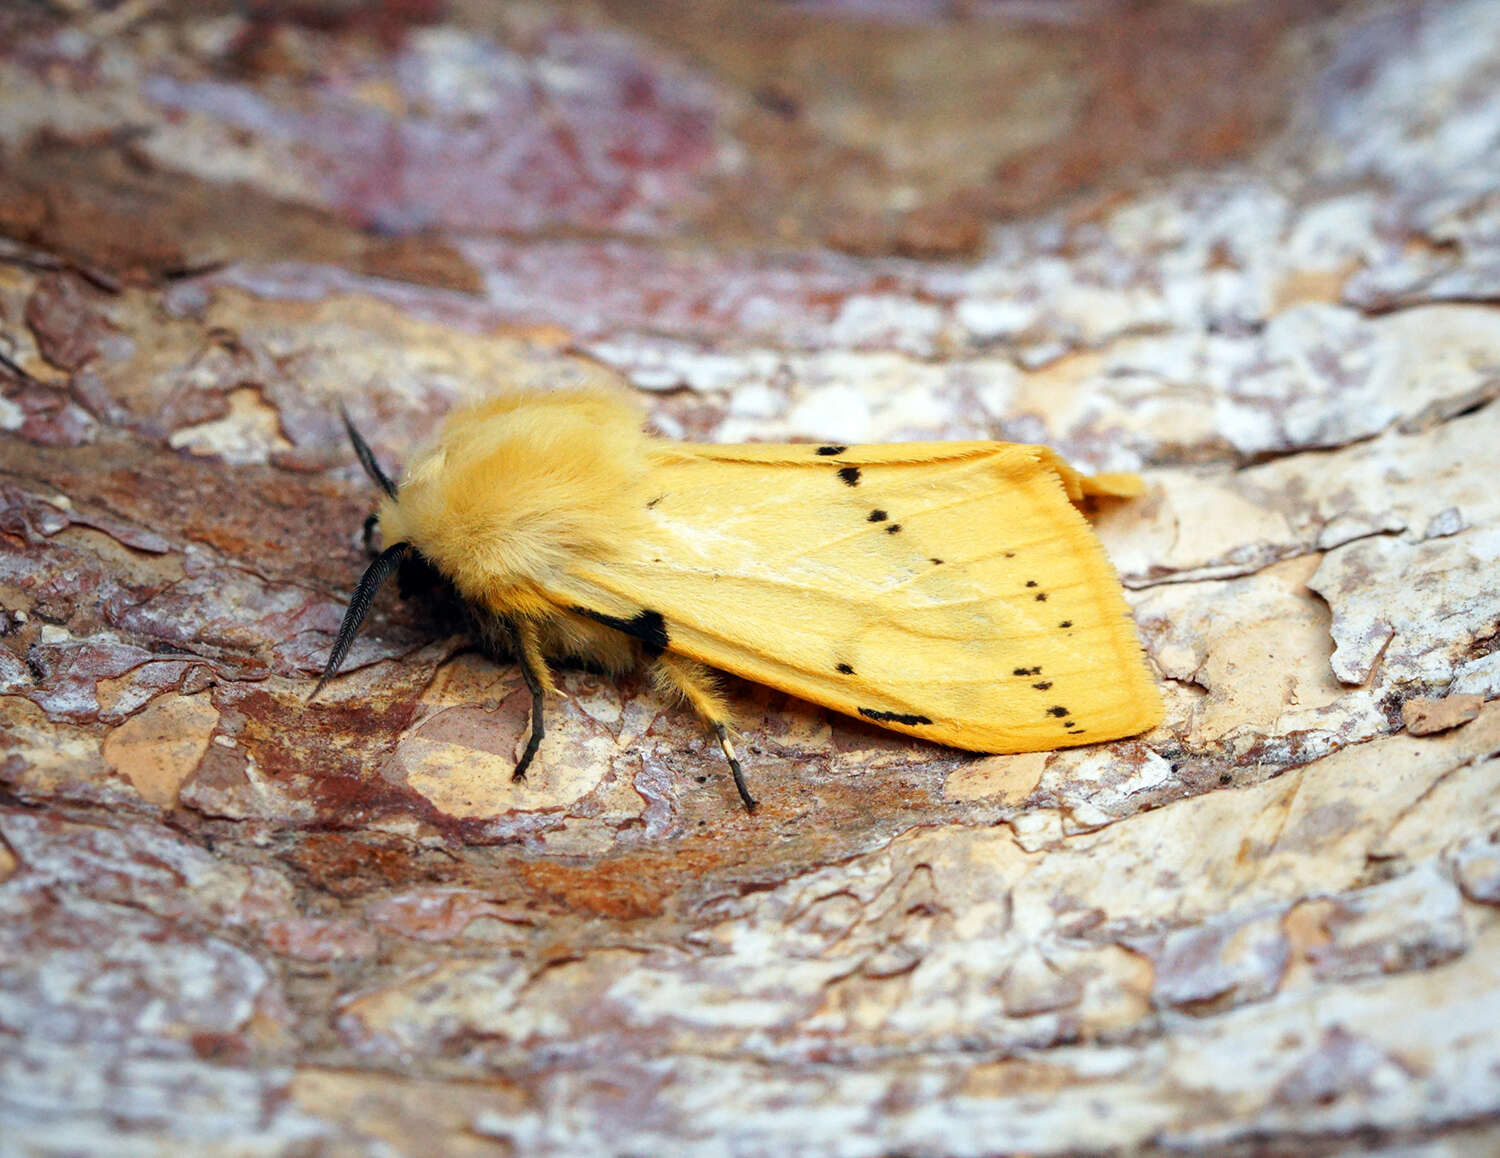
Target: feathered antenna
point(375, 574)
point(367, 456)
point(359, 605)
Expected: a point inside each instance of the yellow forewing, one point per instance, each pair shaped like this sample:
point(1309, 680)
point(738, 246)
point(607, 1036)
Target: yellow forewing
point(949, 590)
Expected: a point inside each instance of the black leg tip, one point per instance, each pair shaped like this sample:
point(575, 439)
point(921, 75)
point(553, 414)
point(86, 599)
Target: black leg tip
point(751, 804)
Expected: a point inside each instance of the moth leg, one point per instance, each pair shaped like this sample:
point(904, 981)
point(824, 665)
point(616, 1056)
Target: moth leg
point(722, 730)
point(538, 682)
point(693, 683)
point(372, 520)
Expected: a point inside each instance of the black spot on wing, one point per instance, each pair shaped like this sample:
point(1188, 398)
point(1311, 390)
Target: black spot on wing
point(1026, 671)
point(1057, 711)
point(1066, 623)
point(1041, 597)
point(876, 516)
point(1043, 685)
point(652, 504)
point(829, 451)
point(1031, 582)
point(936, 562)
point(892, 717)
point(850, 475)
point(893, 528)
point(647, 626)
point(1010, 554)
point(845, 669)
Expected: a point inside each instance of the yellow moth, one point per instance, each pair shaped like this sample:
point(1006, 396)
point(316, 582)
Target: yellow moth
point(949, 590)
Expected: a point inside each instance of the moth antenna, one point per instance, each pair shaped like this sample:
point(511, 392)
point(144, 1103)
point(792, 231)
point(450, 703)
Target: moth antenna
point(359, 605)
point(367, 456)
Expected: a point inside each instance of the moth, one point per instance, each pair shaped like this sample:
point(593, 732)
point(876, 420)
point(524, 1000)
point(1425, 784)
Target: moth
point(948, 590)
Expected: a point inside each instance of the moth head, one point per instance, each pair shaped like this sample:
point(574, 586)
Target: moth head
point(380, 569)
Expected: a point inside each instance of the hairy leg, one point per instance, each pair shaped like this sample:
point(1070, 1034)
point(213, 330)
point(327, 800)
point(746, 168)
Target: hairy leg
point(538, 682)
point(694, 683)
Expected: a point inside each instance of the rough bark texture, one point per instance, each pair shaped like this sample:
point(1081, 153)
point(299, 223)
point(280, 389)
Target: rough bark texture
point(1250, 249)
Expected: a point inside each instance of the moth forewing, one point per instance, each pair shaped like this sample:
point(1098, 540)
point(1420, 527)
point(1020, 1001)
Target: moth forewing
point(954, 592)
